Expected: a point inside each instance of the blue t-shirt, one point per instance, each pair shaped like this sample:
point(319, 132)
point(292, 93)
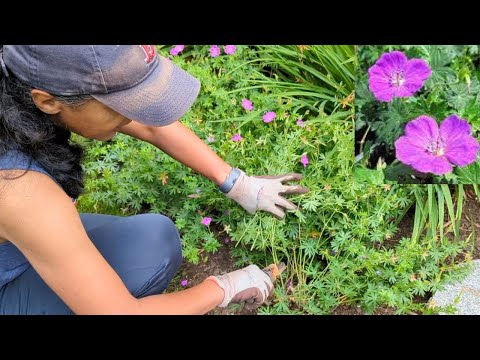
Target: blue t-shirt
point(12, 261)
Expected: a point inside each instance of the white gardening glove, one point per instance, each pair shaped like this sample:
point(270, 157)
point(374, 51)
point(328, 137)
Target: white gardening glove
point(264, 193)
point(249, 285)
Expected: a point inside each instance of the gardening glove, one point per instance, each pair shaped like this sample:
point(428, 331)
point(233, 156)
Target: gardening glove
point(248, 284)
point(264, 193)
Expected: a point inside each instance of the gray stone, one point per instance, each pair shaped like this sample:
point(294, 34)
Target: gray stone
point(464, 295)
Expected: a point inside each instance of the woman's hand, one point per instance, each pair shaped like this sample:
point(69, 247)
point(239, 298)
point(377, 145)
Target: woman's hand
point(249, 285)
point(264, 193)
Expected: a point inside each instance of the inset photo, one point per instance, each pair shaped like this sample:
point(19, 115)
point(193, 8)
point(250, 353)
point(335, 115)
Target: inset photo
point(417, 114)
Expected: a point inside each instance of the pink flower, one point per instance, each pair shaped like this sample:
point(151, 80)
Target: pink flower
point(206, 221)
point(429, 148)
point(236, 137)
point(269, 116)
point(211, 139)
point(230, 49)
point(301, 123)
point(304, 160)
point(247, 104)
point(176, 50)
point(184, 282)
point(215, 51)
point(227, 240)
point(394, 75)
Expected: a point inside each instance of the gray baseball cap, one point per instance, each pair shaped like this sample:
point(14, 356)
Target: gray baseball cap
point(131, 79)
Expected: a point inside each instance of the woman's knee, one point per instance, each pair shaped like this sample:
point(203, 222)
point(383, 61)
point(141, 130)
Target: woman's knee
point(160, 244)
point(145, 251)
point(163, 237)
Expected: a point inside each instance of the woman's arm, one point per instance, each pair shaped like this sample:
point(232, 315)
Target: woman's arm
point(182, 144)
point(39, 218)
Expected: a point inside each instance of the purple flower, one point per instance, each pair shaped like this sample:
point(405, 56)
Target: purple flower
point(247, 104)
point(210, 138)
point(227, 240)
point(206, 221)
point(184, 282)
point(214, 51)
point(304, 160)
point(230, 49)
point(393, 75)
point(198, 190)
point(269, 116)
point(236, 137)
point(176, 50)
point(227, 212)
point(301, 123)
point(430, 149)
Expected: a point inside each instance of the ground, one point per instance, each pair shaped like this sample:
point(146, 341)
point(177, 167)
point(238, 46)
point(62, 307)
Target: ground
point(471, 220)
point(221, 262)
point(218, 263)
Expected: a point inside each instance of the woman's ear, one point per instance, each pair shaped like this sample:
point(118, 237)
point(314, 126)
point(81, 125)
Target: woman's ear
point(45, 102)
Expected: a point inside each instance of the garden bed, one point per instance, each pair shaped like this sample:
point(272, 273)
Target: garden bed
point(343, 248)
point(222, 261)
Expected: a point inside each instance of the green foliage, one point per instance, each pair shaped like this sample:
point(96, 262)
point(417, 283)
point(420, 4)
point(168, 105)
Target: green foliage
point(336, 246)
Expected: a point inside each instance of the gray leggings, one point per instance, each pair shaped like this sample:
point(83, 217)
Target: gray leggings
point(144, 250)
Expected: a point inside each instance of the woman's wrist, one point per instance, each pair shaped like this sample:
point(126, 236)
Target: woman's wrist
point(232, 177)
point(216, 290)
point(222, 174)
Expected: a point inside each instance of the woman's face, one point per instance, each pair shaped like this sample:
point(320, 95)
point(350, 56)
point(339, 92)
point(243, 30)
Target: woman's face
point(92, 120)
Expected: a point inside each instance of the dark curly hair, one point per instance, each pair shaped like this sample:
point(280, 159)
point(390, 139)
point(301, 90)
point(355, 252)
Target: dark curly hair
point(24, 127)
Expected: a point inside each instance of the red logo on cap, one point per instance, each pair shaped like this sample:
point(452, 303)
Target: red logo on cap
point(149, 51)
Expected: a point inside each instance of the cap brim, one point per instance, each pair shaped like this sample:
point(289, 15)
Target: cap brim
point(161, 99)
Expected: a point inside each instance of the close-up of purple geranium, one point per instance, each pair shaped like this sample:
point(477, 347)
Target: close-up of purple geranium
point(428, 148)
point(394, 75)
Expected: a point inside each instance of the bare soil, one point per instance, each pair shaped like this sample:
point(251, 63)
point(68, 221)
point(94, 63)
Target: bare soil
point(218, 263)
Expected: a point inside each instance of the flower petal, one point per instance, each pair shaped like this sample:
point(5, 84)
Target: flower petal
point(453, 128)
point(461, 147)
point(463, 153)
point(411, 154)
point(417, 72)
point(403, 91)
point(392, 61)
point(379, 84)
point(381, 91)
point(422, 131)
